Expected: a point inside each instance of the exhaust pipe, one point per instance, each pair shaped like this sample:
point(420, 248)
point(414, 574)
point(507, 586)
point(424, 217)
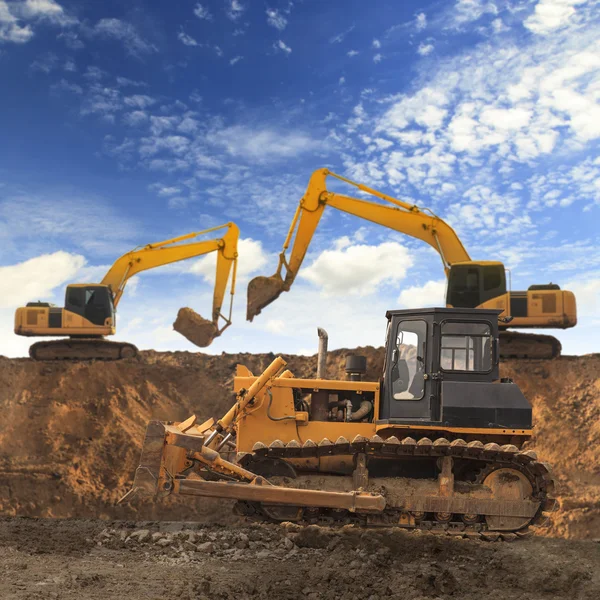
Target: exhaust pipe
point(322, 356)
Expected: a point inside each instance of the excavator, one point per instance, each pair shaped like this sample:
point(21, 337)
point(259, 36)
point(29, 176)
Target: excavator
point(471, 283)
point(89, 313)
point(436, 444)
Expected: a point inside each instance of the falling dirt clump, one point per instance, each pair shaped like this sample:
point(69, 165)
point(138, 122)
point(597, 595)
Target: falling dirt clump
point(196, 329)
point(71, 433)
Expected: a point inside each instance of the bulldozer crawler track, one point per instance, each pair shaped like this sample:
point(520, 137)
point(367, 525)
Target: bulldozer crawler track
point(491, 455)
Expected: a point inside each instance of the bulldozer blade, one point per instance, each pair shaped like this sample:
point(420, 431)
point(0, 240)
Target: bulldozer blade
point(261, 491)
point(145, 481)
point(196, 329)
point(261, 292)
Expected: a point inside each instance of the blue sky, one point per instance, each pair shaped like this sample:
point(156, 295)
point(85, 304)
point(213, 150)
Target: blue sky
point(127, 123)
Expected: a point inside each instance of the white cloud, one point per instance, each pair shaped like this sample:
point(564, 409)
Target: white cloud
point(202, 12)
point(376, 44)
point(276, 19)
point(431, 293)
point(377, 58)
point(280, 45)
point(28, 227)
point(261, 144)
point(425, 49)
point(468, 11)
point(338, 38)
point(235, 10)
point(357, 269)
point(235, 59)
point(275, 326)
point(71, 40)
point(125, 33)
point(36, 278)
point(420, 21)
point(551, 15)
point(165, 190)
point(10, 30)
point(587, 294)
point(46, 9)
point(45, 63)
point(186, 40)
point(352, 53)
point(65, 86)
point(139, 101)
point(342, 80)
point(35, 11)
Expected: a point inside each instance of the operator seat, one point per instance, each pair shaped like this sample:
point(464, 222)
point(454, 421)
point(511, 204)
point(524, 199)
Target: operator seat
point(400, 378)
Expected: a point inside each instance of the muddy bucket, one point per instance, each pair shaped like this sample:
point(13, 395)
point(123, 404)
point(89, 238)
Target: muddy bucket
point(195, 328)
point(261, 292)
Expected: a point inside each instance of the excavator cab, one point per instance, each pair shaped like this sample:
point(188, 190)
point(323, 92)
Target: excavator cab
point(442, 369)
point(470, 284)
point(93, 302)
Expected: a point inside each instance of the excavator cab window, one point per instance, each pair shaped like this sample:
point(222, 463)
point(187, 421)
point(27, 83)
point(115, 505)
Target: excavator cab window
point(93, 303)
point(471, 285)
point(408, 361)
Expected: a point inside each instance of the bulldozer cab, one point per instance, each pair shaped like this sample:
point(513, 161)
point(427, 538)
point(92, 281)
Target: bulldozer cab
point(442, 368)
point(470, 284)
point(93, 302)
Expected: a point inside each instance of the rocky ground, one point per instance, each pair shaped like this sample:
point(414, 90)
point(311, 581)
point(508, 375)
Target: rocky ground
point(45, 559)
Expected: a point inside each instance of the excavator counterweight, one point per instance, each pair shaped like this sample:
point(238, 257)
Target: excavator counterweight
point(436, 444)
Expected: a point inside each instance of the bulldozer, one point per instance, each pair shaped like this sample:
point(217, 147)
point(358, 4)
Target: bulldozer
point(437, 443)
point(471, 284)
point(90, 309)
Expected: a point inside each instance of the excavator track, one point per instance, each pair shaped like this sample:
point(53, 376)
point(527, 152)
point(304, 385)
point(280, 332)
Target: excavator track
point(528, 345)
point(476, 462)
point(82, 349)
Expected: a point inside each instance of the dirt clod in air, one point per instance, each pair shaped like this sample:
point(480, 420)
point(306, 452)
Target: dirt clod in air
point(193, 327)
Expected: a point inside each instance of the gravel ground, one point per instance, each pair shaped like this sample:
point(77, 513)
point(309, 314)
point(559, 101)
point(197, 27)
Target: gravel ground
point(45, 559)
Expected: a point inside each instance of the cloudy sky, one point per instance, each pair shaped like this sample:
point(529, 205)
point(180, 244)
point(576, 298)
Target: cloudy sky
point(124, 123)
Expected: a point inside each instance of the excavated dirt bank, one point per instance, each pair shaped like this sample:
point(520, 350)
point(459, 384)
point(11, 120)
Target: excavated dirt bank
point(71, 433)
point(96, 560)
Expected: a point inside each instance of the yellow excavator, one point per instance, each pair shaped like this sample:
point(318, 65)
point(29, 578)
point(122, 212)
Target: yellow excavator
point(89, 313)
point(471, 284)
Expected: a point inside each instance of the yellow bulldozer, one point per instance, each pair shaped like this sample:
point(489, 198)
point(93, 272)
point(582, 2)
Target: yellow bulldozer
point(89, 313)
point(436, 443)
point(470, 283)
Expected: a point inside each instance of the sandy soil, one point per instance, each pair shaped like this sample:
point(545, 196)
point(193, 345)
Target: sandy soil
point(91, 559)
point(71, 433)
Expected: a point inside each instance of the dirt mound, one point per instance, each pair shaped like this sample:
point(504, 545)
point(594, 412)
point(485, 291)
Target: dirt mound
point(73, 559)
point(71, 433)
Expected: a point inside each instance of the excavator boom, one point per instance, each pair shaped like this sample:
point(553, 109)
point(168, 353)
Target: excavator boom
point(401, 216)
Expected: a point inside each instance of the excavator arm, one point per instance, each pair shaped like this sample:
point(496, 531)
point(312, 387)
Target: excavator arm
point(400, 216)
point(174, 250)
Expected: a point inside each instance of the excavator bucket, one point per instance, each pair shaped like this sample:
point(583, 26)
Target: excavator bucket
point(261, 292)
point(196, 329)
